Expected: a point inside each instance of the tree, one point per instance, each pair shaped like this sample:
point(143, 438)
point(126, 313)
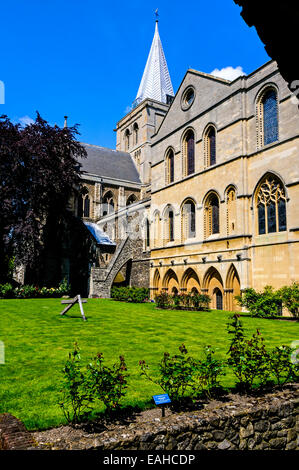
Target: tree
point(39, 170)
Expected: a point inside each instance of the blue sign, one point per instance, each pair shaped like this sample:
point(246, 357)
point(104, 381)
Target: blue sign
point(161, 399)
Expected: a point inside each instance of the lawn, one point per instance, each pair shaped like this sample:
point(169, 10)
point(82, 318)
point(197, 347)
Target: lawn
point(37, 342)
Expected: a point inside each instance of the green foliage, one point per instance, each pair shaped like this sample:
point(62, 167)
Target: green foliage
point(261, 304)
point(281, 366)
point(181, 373)
point(290, 298)
point(176, 373)
point(209, 372)
point(107, 384)
point(130, 294)
point(176, 301)
point(6, 291)
point(76, 396)
point(247, 358)
point(31, 292)
point(163, 300)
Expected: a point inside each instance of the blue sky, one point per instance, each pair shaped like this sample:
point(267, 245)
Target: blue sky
point(86, 58)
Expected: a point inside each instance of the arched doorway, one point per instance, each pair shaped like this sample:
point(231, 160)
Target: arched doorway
point(218, 299)
point(170, 281)
point(212, 285)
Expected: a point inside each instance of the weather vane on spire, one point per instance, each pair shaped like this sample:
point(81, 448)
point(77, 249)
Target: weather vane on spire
point(157, 14)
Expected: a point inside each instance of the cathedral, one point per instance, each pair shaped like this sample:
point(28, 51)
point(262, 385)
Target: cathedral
point(201, 193)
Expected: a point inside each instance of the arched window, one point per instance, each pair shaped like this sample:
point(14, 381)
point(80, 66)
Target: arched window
point(147, 233)
point(271, 206)
point(80, 206)
point(189, 153)
point(210, 144)
point(267, 116)
point(212, 215)
point(86, 211)
point(188, 220)
point(231, 211)
point(135, 130)
point(170, 167)
point(169, 225)
point(131, 199)
point(157, 229)
point(127, 139)
point(108, 203)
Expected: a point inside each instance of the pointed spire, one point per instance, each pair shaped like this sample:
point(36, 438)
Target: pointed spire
point(156, 82)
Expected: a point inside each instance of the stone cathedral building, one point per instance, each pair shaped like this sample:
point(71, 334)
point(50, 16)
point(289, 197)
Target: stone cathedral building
point(202, 191)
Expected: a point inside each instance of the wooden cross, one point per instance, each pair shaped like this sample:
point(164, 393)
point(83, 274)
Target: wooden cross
point(72, 302)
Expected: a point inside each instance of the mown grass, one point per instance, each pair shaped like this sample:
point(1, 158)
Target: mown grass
point(37, 342)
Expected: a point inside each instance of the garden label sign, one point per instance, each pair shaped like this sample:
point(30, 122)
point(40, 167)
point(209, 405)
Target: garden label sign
point(162, 400)
point(72, 302)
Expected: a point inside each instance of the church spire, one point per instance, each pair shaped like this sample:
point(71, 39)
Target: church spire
point(155, 82)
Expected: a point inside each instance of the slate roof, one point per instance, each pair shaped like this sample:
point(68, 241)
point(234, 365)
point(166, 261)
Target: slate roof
point(102, 161)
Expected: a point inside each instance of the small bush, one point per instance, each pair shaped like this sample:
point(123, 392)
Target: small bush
point(290, 298)
point(108, 384)
point(247, 358)
point(76, 396)
point(176, 301)
point(6, 291)
point(176, 373)
point(209, 372)
point(163, 300)
point(280, 365)
point(261, 304)
point(130, 294)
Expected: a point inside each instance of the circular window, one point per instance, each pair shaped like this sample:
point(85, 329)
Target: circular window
point(188, 98)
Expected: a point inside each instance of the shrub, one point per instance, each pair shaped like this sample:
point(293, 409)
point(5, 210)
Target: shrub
point(163, 300)
point(6, 291)
point(247, 358)
point(76, 397)
point(197, 301)
point(280, 365)
point(290, 298)
point(130, 294)
point(201, 301)
point(209, 372)
point(176, 373)
point(261, 304)
point(108, 384)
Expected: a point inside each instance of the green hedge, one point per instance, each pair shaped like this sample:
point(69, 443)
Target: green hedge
point(130, 294)
point(178, 301)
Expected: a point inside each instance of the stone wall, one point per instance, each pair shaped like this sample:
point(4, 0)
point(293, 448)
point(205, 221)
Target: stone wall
point(265, 427)
point(238, 422)
point(128, 250)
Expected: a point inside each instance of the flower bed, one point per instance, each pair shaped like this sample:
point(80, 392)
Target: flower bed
point(7, 291)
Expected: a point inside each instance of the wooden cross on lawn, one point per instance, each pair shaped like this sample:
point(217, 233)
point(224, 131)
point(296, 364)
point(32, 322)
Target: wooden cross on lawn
point(72, 302)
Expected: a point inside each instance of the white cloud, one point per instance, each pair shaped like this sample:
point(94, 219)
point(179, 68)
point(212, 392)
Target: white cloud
point(26, 120)
point(229, 73)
